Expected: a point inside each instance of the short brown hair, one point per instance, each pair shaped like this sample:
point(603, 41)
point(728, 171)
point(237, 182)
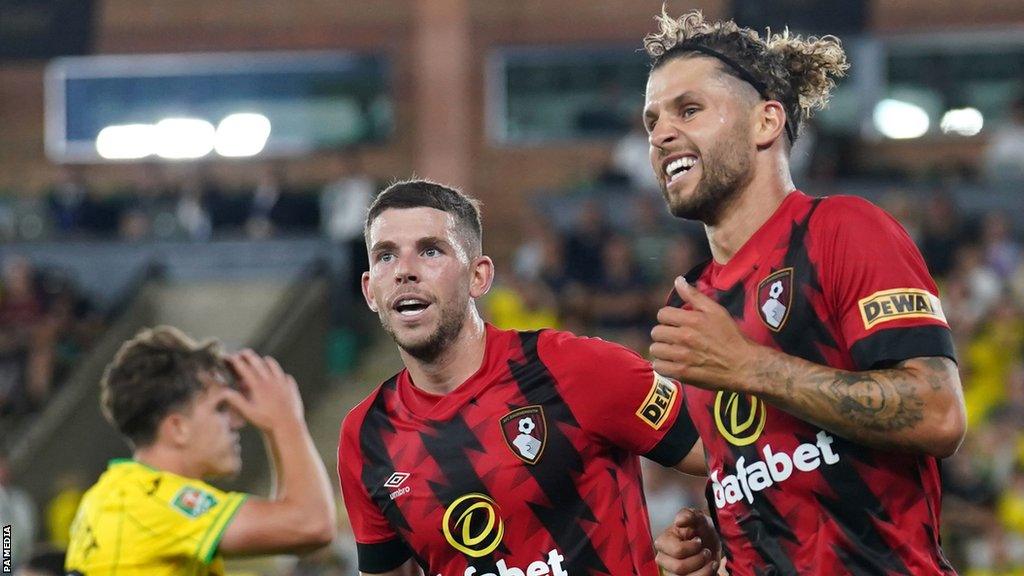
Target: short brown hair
point(426, 194)
point(153, 374)
point(798, 72)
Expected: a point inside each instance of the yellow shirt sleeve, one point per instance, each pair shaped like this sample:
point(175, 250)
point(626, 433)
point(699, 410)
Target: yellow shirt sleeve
point(196, 515)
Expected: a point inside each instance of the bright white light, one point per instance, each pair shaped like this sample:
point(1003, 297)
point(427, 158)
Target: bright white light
point(183, 138)
point(126, 141)
point(899, 120)
point(242, 134)
point(962, 121)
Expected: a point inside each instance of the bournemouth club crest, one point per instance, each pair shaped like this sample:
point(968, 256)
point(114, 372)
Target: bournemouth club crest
point(525, 431)
point(775, 298)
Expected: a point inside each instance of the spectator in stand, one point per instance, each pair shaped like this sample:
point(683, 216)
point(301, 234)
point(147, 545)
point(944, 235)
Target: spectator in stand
point(343, 204)
point(1004, 157)
point(27, 336)
point(585, 244)
point(942, 233)
point(652, 232)
point(618, 303)
point(631, 160)
point(60, 510)
point(518, 303)
point(1001, 251)
point(192, 206)
point(72, 209)
point(275, 209)
point(904, 209)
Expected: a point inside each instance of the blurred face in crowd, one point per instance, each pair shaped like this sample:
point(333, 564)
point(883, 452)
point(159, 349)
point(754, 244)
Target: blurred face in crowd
point(422, 280)
point(697, 118)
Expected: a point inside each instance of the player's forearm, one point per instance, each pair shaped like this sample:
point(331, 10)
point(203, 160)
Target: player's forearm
point(916, 406)
point(302, 480)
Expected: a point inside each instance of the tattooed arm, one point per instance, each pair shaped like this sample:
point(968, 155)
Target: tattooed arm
point(917, 405)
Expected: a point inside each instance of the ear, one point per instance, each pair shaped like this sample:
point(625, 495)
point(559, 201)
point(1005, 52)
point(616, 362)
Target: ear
point(770, 123)
point(175, 428)
point(367, 293)
point(483, 276)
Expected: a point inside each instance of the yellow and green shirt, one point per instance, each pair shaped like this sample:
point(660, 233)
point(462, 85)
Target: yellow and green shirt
point(140, 521)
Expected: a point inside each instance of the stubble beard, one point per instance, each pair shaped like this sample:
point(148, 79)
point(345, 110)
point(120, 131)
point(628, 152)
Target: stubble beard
point(430, 348)
point(726, 170)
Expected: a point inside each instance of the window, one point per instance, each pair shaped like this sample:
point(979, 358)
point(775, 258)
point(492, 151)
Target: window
point(538, 95)
point(193, 105)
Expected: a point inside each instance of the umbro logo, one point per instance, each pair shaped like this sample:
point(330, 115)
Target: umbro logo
point(396, 479)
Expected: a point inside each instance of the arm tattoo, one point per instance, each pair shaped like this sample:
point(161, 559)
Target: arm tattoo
point(883, 400)
point(876, 401)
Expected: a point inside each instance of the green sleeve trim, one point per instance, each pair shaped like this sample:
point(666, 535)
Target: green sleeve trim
point(211, 539)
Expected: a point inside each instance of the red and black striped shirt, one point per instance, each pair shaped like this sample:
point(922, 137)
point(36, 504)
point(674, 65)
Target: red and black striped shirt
point(838, 282)
point(528, 467)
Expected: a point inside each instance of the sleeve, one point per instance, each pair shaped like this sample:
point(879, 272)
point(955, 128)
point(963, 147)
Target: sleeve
point(380, 548)
point(617, 397)
point(193, 515)
point(878, 287)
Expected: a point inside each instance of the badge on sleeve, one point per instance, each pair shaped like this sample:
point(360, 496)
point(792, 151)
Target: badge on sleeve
point(193, 502)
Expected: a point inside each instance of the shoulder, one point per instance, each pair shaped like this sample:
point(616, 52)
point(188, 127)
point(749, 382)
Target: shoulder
point(566, 353)
point(577, 347)
point(842, 211)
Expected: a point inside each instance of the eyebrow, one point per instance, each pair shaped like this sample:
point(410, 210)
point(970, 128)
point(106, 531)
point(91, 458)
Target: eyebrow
point(383, 245)
point(420, 243)
point(685, 96)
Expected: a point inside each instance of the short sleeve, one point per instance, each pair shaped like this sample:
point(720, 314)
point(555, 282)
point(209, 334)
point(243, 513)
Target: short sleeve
point(617, 397)
point(379, 547)
point(877, 285)
point(193, 514)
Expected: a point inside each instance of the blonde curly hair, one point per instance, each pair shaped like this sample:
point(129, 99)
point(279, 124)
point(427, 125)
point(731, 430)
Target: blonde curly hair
point(798, 72)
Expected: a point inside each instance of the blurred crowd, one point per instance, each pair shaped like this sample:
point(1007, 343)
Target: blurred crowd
point(45, 324)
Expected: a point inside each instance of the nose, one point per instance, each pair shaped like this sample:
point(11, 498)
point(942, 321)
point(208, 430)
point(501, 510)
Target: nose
point(663, 133)
point(405, 271)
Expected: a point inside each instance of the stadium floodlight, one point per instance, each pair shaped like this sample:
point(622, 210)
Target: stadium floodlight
point(242, 134)
point(962, 121)
point(126, 141)
point(900, 120)
point(184, 138)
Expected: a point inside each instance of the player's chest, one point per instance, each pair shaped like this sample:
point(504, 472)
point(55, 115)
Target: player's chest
point(489, 453)
point(774, 300)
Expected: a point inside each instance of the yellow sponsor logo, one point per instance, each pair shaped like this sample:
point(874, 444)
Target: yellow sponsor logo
point(899, 303)
point(472, 525)
point(658, 404)
point(739, 418)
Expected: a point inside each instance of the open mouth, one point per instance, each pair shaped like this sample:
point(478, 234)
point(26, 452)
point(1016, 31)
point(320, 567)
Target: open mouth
point(410, 306)
point(675, 169)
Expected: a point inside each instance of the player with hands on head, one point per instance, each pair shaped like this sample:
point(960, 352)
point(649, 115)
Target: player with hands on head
point(180, 403)
point(816, 360)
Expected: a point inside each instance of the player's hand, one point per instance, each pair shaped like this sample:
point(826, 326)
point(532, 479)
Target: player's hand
point(690, 546)
point(267, 396)
point(701, 346)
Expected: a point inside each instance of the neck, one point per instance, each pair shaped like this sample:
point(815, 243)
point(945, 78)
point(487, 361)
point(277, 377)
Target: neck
point(753, 206)
point(165, 459)
point(460, 360)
